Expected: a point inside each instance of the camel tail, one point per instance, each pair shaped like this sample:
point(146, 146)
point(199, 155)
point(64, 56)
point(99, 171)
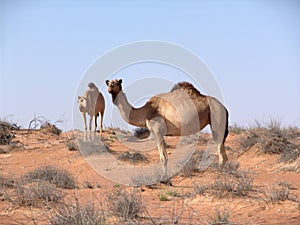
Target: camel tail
point(218, 120)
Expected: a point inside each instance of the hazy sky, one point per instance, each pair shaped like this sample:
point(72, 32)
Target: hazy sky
point(252, 49)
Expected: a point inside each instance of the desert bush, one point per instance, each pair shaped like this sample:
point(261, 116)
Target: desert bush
point(272, 139)
point(40, 122)
point(279, 192)
point(250, 139)
point(236, 129)
point(192, 166)
point(229, 182)
point(230, 168)
point(77, 214)
point(6, 134)
point(36, 193)
point(72, 145)
point(134, 157)
point(51, 128)
point(92, 148)
point(290, 155)
point(220, 218)
point(61, 178)
point(125, 205)
point(6, 182)
point(141, 179)
point(141, 132)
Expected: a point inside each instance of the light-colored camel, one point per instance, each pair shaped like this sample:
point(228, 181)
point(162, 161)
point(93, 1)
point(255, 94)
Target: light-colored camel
point(182, 111)
point(93, 104)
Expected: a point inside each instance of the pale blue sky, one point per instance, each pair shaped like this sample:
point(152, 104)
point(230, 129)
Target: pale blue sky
point(251, 47)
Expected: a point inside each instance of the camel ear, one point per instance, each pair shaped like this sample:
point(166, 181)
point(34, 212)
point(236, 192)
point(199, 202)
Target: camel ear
point(78, 97)
point(120, 81)
point(107, 81)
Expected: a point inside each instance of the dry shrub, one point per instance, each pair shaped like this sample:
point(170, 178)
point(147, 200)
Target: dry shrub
point(229, 182)
point(220, 218)
point(50, 128)
point(36, 193)
point(61, 178)
point(125, 205)
point(273, 139)
point(6, 132)
point(44, 125)
point(149, 180)
point(72, 145)
point(192, 166)
point(6, 182)
point(236, 129)
point(141, 132)
point(77, 214)
point(88, 148)
point(280, 192)
point(134, 157)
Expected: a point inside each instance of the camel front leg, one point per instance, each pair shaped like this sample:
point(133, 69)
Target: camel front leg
point(85, 127)
point(90, 126)
point(163, 157)
point(158, 128)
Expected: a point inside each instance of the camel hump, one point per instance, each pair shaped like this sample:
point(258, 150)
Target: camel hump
point(187, 87)
point(92, 85)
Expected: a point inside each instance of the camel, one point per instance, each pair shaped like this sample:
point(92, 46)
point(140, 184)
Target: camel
point(182, 111)
point(92, 103)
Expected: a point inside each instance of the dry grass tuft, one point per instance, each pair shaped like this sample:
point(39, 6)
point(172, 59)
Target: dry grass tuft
point(134, 157)
point(43, 124)
point(273, 139)
point(192, 166)
point(141, 132)
point(280, 191)
point(77, 214)
point(220, 218)
point(6, 132)
point(72, 145)
point(229, 182)
point(36, 194)
point(59, 177)
point(125, 205)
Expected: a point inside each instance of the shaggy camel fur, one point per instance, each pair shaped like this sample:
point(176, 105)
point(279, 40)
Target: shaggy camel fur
point(92, 103)
point(182, 111)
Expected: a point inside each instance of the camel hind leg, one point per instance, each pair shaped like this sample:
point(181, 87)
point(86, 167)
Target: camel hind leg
point(101, 124)
point(95, 130)
point(219, 127)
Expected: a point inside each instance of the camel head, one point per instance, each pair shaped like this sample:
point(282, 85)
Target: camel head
point(82, 102)
point(114, 86)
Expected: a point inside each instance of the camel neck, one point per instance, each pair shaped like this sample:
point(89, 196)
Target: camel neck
point(130, 114)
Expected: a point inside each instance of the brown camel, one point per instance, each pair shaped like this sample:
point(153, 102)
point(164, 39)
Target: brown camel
point(92, 103)
point(182, 111)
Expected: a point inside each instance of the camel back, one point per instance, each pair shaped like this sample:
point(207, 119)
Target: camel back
point(188, 88)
